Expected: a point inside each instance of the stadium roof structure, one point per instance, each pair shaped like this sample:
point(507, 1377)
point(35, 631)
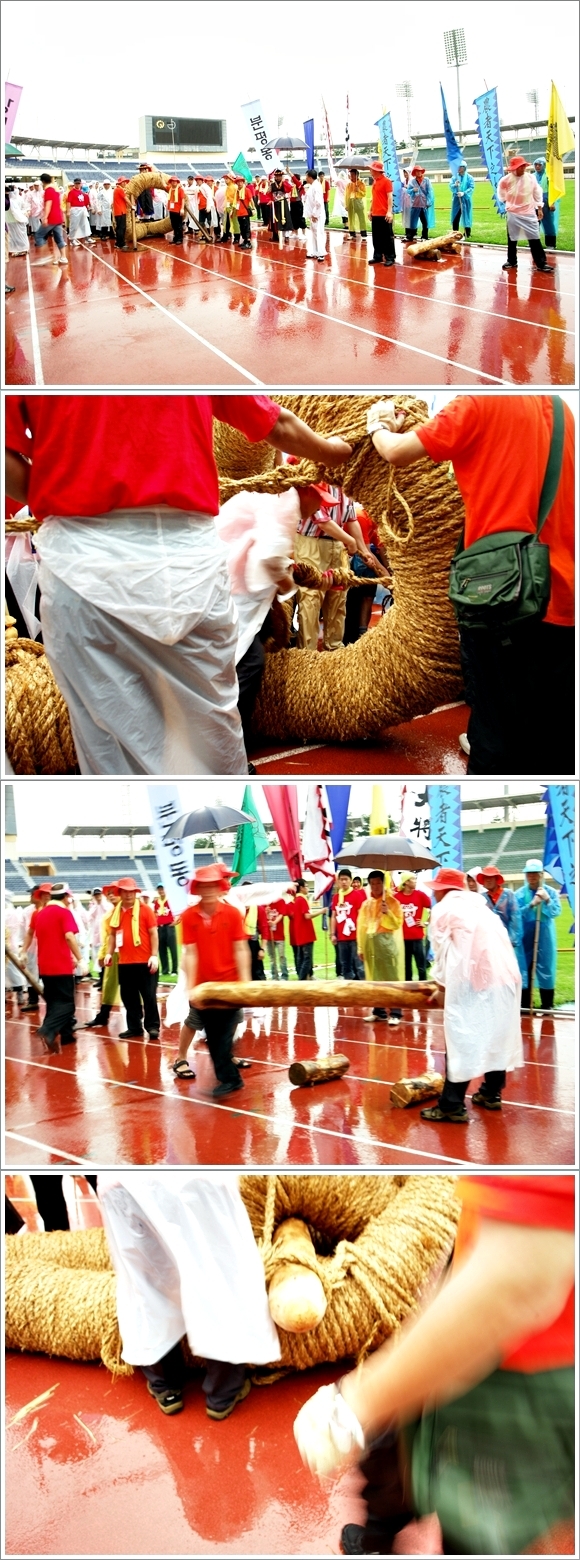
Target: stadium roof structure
point(102, 829)
point(64, 143)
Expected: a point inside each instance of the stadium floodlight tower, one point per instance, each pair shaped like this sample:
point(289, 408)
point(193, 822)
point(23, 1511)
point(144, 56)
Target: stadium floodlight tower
point(456, 53)
point(405, 90)
point(534, 97)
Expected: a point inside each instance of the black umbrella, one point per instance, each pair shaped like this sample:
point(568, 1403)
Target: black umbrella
point(386, 853)
point(354, 162)
point(208, 820)
point(287, 143)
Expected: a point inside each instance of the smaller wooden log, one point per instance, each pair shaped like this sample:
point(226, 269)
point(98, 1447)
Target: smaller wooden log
point(425, 246)
point(313, 993)
point(295, 1294)
point(413, 1091)
point(320, 1070)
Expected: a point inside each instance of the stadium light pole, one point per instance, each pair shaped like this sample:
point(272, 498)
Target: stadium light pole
point(456, 52)
point(405, 90)
point(534, 97)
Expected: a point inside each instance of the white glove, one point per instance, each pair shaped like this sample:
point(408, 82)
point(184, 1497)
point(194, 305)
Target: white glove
point(382, 415)
point(153, 964)
point(327, 1433)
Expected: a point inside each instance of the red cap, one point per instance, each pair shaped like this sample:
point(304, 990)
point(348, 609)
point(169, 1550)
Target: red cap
point(128, 886)
point(449, 877)
point(41, 888)
point(216, 872)
point(517, 162)
point(417, 169)
point(489, 872)
point(111, 888)
point(324, 494)
point(377, 167)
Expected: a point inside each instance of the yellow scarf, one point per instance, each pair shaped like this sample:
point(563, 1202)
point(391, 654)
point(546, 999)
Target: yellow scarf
point(115, 920)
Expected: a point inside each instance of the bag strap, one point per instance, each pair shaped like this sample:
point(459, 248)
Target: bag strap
point(554, 466)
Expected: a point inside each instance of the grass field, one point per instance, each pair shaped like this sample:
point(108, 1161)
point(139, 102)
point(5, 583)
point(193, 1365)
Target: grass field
point(487, 228)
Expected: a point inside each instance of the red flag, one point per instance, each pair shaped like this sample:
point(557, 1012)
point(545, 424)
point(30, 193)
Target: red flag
point(283, 804)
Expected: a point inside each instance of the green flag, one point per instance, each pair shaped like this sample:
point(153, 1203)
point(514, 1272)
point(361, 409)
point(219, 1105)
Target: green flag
point(251, 839)
point(240, 166)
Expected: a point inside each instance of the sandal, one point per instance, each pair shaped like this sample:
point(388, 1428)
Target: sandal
point(182, 1069)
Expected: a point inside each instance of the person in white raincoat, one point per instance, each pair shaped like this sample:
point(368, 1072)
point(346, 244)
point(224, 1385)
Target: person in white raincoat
point(187, 1264)
point(314, 211)
point(105, 210)
point(16, 218)
point(79, 205)
point(480, 992)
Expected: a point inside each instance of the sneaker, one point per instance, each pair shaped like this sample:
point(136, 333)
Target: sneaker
point(378, 261)
point(130, 1034)
point(170, 1400)
point(464, 743)
point(488, 1102)
point(224, 1413)
point(435, 1113)
point(222, 1089)
point(153, 1034)
point(507, 266)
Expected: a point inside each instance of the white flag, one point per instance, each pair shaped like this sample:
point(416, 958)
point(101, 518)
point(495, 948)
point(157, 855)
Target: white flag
point(316, 844)
point(260, 135)
point(174, 857)
point(416, 814)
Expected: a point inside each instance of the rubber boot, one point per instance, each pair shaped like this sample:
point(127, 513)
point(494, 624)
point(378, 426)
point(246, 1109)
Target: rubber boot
point(511, 264)
point(468, 232)
point(409, 235)
point(538, 255)
point(547, 998)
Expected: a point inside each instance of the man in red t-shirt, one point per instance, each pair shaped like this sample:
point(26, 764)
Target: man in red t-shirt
point(499, 447)
point(79, 205)
point(271, 931)
point(59, 951)
point(166, 928)
point(345, 906)
point(133, 936)
point(215, 947)
point(382, 217)
point(487, 1370)
point(52, 223)
point(416, 907)
point(147, 670)
point(303, 935)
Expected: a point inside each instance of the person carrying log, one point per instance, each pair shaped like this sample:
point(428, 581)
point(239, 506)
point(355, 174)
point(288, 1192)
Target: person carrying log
point(215, 947)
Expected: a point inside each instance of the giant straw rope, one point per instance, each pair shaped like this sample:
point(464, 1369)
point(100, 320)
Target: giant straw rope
point(379, 1240)
point(410, 662)
point(404, 666)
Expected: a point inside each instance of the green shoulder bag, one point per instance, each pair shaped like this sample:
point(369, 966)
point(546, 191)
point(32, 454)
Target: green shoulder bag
point(505, 578)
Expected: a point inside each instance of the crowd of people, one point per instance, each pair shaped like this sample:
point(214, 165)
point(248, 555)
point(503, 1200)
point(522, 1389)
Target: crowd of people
point(285, 203)
point(488, 948)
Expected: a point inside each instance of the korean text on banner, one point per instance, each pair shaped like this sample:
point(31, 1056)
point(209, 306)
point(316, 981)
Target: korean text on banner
point(560, 845)
point(12, 96)
point(454, 152)
point(490, 142)
point(445, 809)
point(415, 814)
point(259, 134)
point(174, 857)
point(389, 158)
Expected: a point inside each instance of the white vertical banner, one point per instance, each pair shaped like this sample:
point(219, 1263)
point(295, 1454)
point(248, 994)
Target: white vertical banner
point(316, 840)
point(174, 857)
point(416, 814)
point(259, 134)
point(328, 143)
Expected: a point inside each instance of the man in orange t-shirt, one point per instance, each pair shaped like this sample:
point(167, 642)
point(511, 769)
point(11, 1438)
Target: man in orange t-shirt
point(382, 217)
point(483, 1381)
point(499, 447)
point(133, 935)
point(215, 947)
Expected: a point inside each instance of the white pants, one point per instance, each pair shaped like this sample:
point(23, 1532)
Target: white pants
point(140, 631)
point(316, 239)
point(17, 238)
point(79, 225)
point(187, 1263)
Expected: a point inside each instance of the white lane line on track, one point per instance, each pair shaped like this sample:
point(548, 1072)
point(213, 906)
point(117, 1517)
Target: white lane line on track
point(332, 319)
point(35, 338)
point(310, 747)
point(45, 1148)
point(256, 1115)
point(181, 323)
point(450, 303)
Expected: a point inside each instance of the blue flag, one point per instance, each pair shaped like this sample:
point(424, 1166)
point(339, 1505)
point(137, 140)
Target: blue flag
point(445, 841)
point(559, 848)
point(309, 138)
point(389, 158)
point(339, 797)
point(490, 145)
point(454, 152)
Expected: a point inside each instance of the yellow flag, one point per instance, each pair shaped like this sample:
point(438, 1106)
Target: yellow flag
point(559, 140)
point(379, 823)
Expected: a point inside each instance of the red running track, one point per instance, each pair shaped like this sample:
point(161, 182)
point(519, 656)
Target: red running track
point(114, 1102)
point(427, 745)
point(98, 1469)
point(212, 316)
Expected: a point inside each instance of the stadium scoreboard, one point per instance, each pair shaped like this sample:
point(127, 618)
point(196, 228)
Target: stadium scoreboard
point(168, 133)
